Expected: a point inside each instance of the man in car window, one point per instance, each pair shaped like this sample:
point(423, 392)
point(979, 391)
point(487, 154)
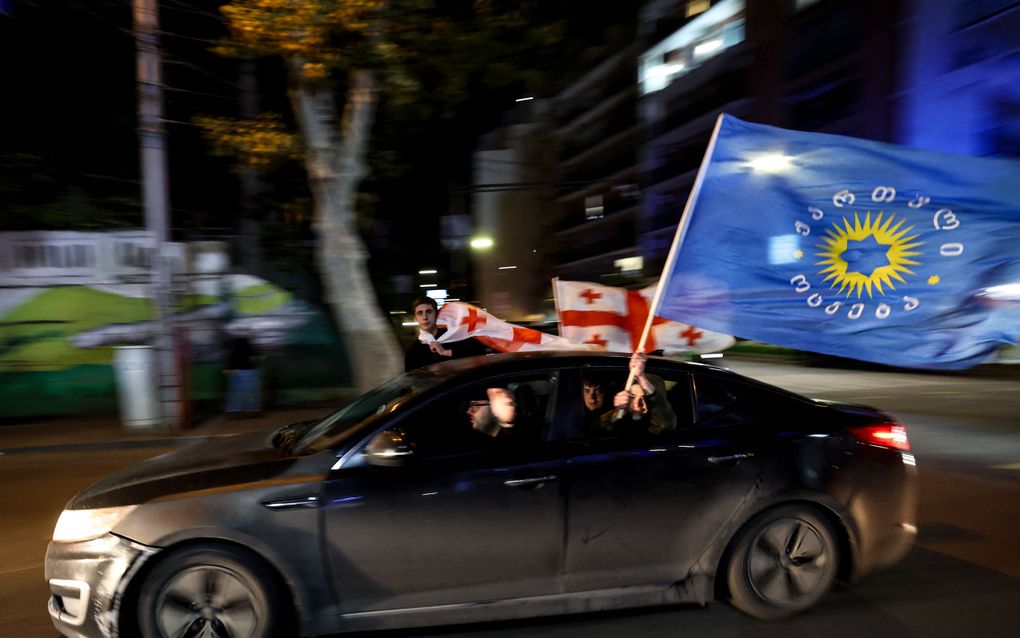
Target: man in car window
point(596, 408)
point(593, 393)
point(645, 400)
point(493, 415)
point(425, 311)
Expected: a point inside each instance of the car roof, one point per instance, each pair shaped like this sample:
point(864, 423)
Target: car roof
point(543, 360)
point(458, 370)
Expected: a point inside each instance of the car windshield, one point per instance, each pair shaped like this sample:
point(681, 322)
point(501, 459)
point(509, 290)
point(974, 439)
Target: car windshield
point(340, 424)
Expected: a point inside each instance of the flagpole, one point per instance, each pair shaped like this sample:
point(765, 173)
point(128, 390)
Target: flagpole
point(678, 239)
point(556, 303)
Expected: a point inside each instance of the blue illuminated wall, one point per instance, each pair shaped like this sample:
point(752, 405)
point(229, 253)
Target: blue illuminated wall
point(960, 77)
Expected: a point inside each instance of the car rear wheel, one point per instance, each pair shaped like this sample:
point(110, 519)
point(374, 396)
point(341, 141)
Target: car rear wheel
point(782, 563)
point(208, 592)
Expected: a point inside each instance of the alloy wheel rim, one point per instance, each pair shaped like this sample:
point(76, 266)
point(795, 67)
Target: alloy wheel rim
point(207, 602)
point(787, 564)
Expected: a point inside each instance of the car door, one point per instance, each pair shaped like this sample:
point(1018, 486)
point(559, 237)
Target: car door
point(464, 521)
point(643, 507)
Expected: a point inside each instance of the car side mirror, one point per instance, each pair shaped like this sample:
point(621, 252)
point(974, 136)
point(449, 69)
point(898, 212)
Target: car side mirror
point(389, 448)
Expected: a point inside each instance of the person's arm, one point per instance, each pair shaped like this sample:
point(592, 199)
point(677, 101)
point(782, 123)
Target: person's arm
point(467, 348)
point(417, 355)
point(661, 417)
point(501, 402)
point(440, 349)
point(608, 421)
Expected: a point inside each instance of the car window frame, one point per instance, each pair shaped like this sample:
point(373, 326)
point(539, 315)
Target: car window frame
point(725, 376)
point(575, 432)
point(355, 454)
point(319, 442)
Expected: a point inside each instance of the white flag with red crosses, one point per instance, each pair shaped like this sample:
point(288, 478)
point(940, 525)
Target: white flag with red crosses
point(613, 318)
point(464, 321)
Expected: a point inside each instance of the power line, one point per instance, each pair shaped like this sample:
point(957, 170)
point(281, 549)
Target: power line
point(187, 37)
point(191, 92)
point(185, 7)
point(101, 18)
point(523, 186)
point(198, 69)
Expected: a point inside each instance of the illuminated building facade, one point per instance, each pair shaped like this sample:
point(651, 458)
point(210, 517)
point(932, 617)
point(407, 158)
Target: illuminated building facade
point(624, 141)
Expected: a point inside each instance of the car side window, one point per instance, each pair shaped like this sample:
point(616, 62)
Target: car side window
point(671, 410)
point(506, 414)
point(678, 394)
point(722, 401)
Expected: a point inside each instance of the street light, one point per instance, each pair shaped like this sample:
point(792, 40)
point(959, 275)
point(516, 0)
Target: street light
point(481, 243)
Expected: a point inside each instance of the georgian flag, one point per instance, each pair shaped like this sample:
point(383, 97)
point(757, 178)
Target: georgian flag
point(611, 318)
point(464, 321)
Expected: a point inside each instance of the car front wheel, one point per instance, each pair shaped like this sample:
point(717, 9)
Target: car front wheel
point(210, 592)
point(783, 562)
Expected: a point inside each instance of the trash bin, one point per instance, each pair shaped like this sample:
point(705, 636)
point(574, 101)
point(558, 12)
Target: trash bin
point(136, 386)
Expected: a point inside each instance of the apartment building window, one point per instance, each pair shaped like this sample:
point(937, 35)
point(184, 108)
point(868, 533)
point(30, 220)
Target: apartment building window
point(701, 39)
point(694, 7)
point(825, 101)
point(132, 255)
point(31, 256)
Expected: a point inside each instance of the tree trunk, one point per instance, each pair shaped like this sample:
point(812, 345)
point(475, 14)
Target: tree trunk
point(335, 160)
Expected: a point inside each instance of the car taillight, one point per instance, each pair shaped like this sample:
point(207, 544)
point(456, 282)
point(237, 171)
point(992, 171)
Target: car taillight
point(889, 435)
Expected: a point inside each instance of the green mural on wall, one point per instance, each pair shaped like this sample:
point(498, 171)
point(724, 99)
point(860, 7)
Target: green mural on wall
point(57, 344)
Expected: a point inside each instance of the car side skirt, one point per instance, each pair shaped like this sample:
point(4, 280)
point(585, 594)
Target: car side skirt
point(529, 607)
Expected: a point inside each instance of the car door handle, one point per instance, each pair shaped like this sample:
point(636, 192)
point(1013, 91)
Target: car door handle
point(730, 458)
point(529, 481)
point(292, 503)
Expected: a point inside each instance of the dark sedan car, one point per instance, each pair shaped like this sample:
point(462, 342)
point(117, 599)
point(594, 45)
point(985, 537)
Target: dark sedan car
point(404, 509)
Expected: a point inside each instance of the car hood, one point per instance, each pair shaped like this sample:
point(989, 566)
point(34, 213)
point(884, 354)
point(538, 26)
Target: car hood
point(214, 463)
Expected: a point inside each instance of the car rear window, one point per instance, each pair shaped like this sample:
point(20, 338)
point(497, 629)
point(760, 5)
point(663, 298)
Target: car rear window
point(723, 401)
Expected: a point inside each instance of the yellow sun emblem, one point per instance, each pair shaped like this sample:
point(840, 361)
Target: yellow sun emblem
point(864, 255)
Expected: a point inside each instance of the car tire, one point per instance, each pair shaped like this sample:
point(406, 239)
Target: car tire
point(209, 591)
point(783, 562)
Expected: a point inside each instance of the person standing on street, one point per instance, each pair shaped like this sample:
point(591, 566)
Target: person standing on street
point(244, 388)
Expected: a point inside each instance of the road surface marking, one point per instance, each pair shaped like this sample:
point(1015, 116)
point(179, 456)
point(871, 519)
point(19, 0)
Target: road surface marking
point(1007, 466)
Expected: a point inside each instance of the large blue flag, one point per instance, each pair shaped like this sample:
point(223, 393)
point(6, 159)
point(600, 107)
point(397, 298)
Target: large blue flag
point(849, 247)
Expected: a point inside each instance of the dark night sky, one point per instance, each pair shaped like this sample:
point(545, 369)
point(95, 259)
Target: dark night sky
point(69, 83)
point(69, 150)
point(64, 103)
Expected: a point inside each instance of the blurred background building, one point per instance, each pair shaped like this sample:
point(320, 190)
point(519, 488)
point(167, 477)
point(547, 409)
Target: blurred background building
point(584, 178)
point(625, 139)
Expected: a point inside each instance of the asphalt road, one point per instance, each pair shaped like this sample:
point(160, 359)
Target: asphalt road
point(962, 579)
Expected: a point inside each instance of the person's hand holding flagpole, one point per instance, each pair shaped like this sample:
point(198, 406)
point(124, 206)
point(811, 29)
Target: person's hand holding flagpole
point(667, 267)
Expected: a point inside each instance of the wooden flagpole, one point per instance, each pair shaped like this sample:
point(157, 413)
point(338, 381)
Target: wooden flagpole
point(556, 303)
point(678, 239)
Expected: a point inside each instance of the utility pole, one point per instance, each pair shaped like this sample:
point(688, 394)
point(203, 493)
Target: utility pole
point(248, 242)
point(152, 140)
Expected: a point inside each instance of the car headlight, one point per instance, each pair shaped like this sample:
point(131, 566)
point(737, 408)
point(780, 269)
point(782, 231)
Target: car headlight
point(83, 525)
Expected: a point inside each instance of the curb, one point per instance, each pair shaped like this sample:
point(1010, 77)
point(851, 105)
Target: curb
point(113, 445)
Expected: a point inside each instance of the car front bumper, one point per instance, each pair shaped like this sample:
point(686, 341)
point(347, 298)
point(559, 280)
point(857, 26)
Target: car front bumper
point(87, 582)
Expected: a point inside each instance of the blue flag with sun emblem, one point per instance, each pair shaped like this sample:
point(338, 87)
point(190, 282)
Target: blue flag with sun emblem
point(849, 247)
